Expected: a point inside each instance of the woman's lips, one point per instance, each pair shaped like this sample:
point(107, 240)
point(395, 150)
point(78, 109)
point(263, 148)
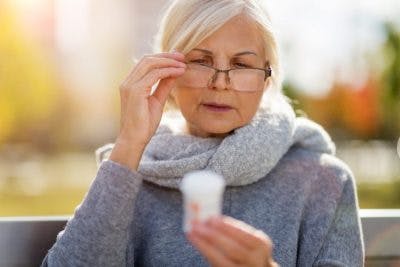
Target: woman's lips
point(217, 108)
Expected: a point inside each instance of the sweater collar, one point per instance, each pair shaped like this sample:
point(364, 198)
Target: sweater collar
point(243, 157)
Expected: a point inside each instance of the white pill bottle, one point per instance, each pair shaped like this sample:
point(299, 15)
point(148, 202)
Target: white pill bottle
point(202, 196)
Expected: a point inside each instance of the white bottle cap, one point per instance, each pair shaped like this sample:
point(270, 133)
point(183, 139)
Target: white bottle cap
point(202, 182)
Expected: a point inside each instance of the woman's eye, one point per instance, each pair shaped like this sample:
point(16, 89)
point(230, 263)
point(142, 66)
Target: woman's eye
point(199, 61)
point(241, 65)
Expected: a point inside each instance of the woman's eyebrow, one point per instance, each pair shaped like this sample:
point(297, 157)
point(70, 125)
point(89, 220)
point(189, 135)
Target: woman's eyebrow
point(246, 53)
point(208, 52)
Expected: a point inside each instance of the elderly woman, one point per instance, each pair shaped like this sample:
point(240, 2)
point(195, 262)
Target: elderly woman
point(289, 201)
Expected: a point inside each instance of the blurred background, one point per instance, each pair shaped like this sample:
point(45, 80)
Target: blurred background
point(61, 62)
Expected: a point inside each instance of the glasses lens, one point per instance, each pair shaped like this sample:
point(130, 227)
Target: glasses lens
point(247, 80)
point(196, 76)
point(199, 76)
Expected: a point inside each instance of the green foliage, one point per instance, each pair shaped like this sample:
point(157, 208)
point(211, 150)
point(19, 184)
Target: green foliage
point(391, 82)
point(65, 200)
point(290, 91)
point(52, 202)
point(29, 93)
point(378, 196)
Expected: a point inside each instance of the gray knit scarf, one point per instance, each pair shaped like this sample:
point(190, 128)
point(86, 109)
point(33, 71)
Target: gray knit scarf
point(243, 157)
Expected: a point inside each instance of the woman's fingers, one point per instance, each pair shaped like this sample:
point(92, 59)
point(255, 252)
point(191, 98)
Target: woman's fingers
point(231, 248)
point(158, 74)
point(140, 111)
point(152, 62)
point(163, 89)
point(241, 232)
point(230, 242)
point(149, 63)
point(214, 256)
point(174, 55)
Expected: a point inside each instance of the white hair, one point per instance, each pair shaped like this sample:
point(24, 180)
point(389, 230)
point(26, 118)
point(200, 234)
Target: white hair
point(186, 23)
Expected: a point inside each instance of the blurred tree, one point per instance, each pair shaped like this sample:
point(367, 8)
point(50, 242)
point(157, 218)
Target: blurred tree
point(294, 96)
point(391, 82)
point(346, 111)
point(29, 92)
point(361, 115)
point(371, 110)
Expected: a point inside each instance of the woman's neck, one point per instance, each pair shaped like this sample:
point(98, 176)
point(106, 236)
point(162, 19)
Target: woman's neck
point(188, 129)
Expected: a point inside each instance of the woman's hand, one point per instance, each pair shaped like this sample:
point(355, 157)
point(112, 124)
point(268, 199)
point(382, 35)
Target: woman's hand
point(225, 241)
point(141, 112)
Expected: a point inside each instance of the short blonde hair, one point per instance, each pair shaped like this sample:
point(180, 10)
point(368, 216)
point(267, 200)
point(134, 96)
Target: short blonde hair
point(186, 23)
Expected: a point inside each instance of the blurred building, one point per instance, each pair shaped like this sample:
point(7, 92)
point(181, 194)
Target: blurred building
point(147, 15)
point(94, 44)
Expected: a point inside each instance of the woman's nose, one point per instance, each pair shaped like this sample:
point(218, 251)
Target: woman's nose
point(220, 81)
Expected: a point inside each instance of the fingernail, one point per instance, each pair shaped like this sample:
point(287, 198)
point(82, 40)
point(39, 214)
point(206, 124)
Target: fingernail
point(200, 229)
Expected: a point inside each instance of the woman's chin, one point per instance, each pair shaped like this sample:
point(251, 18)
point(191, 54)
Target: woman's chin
point(217, 130)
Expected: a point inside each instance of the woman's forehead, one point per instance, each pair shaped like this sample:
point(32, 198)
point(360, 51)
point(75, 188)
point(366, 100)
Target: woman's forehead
point(240, 52)
point(236, 38)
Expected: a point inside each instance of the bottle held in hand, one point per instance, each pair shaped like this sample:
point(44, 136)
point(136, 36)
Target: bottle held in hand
point(202, 195)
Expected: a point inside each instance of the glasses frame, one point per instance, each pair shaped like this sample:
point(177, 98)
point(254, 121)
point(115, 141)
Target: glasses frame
point(267, 71)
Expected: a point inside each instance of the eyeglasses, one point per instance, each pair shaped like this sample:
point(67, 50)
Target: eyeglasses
point(199, 75)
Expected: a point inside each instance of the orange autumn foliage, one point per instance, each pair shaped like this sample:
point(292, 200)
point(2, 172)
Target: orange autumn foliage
point(354, 109)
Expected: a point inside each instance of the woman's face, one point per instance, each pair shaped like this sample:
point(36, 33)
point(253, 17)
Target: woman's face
point(220, 51)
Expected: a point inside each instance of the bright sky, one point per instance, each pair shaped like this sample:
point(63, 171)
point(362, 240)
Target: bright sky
point(320, 37)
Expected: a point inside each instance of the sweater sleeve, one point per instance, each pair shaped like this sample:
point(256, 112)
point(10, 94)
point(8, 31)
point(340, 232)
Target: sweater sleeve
point(343, 244)
point(97, 234)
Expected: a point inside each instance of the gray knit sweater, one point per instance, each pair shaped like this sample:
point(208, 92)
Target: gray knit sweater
point(282, 177)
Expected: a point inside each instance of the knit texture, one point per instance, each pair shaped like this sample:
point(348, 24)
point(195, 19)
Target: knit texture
point(243, 157)
point(283, 179)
